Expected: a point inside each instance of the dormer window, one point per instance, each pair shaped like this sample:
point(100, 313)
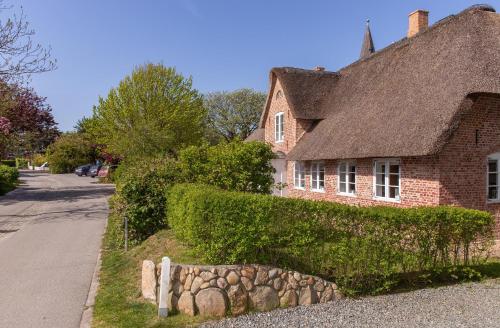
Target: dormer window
point(279, 131)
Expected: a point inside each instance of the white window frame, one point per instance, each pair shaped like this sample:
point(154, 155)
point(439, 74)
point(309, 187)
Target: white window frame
point(387, 162)
point(316, 168)
point(348, 164)
point(495, 157)
point(300, 182)
point(279, 127)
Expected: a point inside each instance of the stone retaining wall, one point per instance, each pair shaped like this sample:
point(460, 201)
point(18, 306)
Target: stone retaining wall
point(235, 289)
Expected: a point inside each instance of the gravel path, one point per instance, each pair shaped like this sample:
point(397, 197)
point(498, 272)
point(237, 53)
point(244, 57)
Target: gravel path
point(465, 305)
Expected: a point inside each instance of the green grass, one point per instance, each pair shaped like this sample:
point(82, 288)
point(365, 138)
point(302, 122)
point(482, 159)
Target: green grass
point(119, 302)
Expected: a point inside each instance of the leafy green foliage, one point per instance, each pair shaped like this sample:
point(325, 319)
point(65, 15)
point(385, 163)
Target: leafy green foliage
point(141, 187)
point(8, 162)
point(233, 115)
point(68, 152)
point(153, 112)
point(237, 166)
point(8, 178)
point(141, 184)
point(21, 163)
point(363, 249)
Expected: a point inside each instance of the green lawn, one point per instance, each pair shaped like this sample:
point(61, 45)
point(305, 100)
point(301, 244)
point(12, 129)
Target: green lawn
point(118, 302)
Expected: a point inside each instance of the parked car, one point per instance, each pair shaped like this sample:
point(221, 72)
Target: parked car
point(94, 170)
point(83, 170)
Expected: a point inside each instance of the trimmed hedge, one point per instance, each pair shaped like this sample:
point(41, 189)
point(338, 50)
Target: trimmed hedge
point(364, 249)
point(8, 178)
point(21, 163)
point(8, 162)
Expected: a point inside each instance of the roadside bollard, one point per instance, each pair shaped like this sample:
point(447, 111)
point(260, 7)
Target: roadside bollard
point(164, 281)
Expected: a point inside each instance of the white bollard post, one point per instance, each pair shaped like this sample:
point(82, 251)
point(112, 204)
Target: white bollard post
point(164, 281)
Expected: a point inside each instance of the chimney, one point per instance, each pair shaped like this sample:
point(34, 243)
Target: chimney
point(319, 68)
point(417, 22)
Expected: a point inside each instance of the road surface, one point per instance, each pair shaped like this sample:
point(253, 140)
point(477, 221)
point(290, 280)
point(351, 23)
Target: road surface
point(50, 235)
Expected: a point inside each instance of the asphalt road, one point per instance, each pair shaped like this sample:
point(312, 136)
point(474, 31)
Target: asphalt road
point(50, 235)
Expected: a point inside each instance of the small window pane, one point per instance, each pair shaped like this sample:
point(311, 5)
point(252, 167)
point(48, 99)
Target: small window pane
point(342, 187)
point(380, 191)
point(394, 168)
point(492, 166)
point(342, 168)
point(492, 179)
point(380, 168)
point(381, 179)
point(352, 188)
point(492, 192)
point(352, 177)
point(394, 180)
point(393, 192)
point(342, 177)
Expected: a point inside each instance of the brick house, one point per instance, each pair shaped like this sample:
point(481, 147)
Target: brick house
point(416, 123)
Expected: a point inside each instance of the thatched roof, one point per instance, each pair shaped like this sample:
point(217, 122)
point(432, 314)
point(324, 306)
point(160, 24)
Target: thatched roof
point(404, 100)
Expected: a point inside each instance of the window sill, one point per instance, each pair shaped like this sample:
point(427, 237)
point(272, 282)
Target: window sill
point(388, 200)
point(346, 194)
point(299, 188)
point(493, 201)
point(318, 190)
point(279, 142)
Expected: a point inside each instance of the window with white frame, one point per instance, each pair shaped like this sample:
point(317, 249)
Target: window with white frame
point(299, 179)
point(279, 131)
point(387, 179)
point(318, 176)
point(347, 178)
point(493, 171)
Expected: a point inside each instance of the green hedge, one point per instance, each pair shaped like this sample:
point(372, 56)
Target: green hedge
point(366, 249)
point(21, 163)
point(8, 162)
point(8, 178)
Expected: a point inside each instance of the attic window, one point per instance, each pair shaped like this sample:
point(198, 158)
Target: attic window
point(279, 94)
point(279, 125)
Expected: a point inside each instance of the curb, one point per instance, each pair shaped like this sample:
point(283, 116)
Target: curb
point(86, 320)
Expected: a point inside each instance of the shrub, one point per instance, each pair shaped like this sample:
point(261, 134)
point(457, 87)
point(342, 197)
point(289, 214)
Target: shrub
point(68, 152)
point(8, 178)
point(364, 249)
point(8, 162)
point(21, 163)
point(39, 159)
point(236, 166)
point(141, 186)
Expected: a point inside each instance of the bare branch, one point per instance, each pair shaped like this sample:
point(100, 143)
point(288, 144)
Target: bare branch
point(19, 55)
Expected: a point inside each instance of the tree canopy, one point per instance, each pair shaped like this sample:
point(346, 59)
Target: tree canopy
point(153, 111)
point(233, 114)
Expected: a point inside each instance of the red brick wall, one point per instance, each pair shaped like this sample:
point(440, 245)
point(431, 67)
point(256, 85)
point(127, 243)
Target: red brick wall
point(280, 104)
point(463, 163)
point(419, 183)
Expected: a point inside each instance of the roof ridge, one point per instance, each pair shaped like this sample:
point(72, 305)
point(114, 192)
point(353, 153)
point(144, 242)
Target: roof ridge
point(405, 40)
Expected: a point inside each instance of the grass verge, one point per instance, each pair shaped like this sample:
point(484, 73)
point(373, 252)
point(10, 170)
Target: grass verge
point(118, 301)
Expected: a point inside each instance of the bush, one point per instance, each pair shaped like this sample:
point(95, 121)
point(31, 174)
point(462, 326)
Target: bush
point(236, 166)
point(363, 249)
point(8, 162)
point(141, 187)
point(142, 183)
point(39, 159)
point(21, 163)
point(8, 178)
point(68, 152)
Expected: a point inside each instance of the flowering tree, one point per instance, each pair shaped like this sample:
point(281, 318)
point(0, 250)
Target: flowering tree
point(26, 121)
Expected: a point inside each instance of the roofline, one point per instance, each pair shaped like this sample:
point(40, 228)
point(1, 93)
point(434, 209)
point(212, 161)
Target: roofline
point(406, 40)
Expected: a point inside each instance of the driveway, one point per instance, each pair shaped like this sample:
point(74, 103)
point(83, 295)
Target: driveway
point(50, 235)
point(464, 305)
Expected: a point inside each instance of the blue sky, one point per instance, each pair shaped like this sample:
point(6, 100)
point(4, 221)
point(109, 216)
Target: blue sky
point(222, 44)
